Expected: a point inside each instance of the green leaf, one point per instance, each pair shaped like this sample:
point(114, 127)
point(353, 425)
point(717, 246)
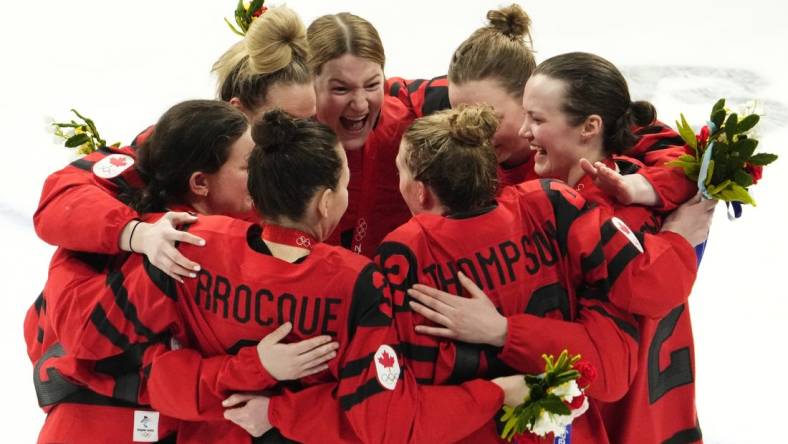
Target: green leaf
point(553, 404)
point(735, 193)
point(731, 124)
point(748, 122)
point(742, 178)
point(745, 148)
point(762, 159)
point(719, 105)
point(717, 118)
point(77, 140)
point(233, 28)
point(687, 158)
point(507, 430)
point(508, 412)
point(716, 189)
point(709, 173)
point(686, 132)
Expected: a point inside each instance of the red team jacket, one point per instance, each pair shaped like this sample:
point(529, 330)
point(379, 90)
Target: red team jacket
point(660, 404)
point(375, 205)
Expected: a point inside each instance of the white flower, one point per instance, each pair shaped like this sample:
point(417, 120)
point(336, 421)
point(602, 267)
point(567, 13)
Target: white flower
point(551, 423)
point(566, 391)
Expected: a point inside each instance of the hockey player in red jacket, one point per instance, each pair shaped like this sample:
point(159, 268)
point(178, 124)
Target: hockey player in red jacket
point(80, 211)
point(349, 85)
point(492, 66)
point(71, 330)
point(660, 406)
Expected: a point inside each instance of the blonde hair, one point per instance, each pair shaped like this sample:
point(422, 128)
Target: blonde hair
point(334, 35)
point(274, 50)
point(498, 51)
point(452, 152)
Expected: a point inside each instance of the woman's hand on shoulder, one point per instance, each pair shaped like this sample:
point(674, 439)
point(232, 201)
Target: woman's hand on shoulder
point(157, 242)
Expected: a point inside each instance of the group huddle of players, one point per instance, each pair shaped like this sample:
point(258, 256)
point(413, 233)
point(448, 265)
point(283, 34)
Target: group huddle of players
point(243, 271)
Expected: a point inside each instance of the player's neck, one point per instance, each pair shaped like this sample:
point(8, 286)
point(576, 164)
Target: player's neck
point(292, 241)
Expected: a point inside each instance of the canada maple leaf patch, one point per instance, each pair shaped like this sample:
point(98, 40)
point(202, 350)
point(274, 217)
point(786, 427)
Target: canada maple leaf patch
point(387, 367)
point(112, 166)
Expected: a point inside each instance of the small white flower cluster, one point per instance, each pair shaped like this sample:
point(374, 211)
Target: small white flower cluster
point(556, 424)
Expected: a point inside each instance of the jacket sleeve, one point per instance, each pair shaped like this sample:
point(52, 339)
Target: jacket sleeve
point(658, 280)
point(183, 384)
point(81, 211)
point(615, 264)
point(376, 396)
point(422, 96)
point(124, 344)
point(657, 145)
point(602, 335)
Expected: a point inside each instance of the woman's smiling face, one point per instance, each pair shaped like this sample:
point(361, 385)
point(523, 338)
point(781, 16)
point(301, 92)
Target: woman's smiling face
point(349, 97)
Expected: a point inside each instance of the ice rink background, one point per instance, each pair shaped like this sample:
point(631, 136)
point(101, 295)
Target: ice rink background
point(123, 64)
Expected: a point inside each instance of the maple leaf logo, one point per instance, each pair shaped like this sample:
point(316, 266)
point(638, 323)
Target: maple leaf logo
point(118, 161)
point(386, 360)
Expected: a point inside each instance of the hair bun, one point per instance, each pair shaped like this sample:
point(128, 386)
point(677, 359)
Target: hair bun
point(274, 39)
point(511, 21)
point(642, 112)
point(473, 124)
point(274, 131)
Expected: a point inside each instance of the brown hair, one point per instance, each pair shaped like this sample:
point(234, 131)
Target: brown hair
point(273, 51)
point(292, 160)
point(497, 51)
point(451, 151)
point(593, 85)
point(195, 135)
point(334, 35)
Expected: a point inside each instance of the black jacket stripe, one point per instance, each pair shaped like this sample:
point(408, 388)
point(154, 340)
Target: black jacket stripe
point(466, 363)
point(622, 259)
point(625, 326)
point(39, 303)
point(685, 436)
point(99, 318)
point(83, 164)
point(608, 230)
point(129, 310)
point(593, 260)
point(368, 389)
point(164, 282)
point(564, 212)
